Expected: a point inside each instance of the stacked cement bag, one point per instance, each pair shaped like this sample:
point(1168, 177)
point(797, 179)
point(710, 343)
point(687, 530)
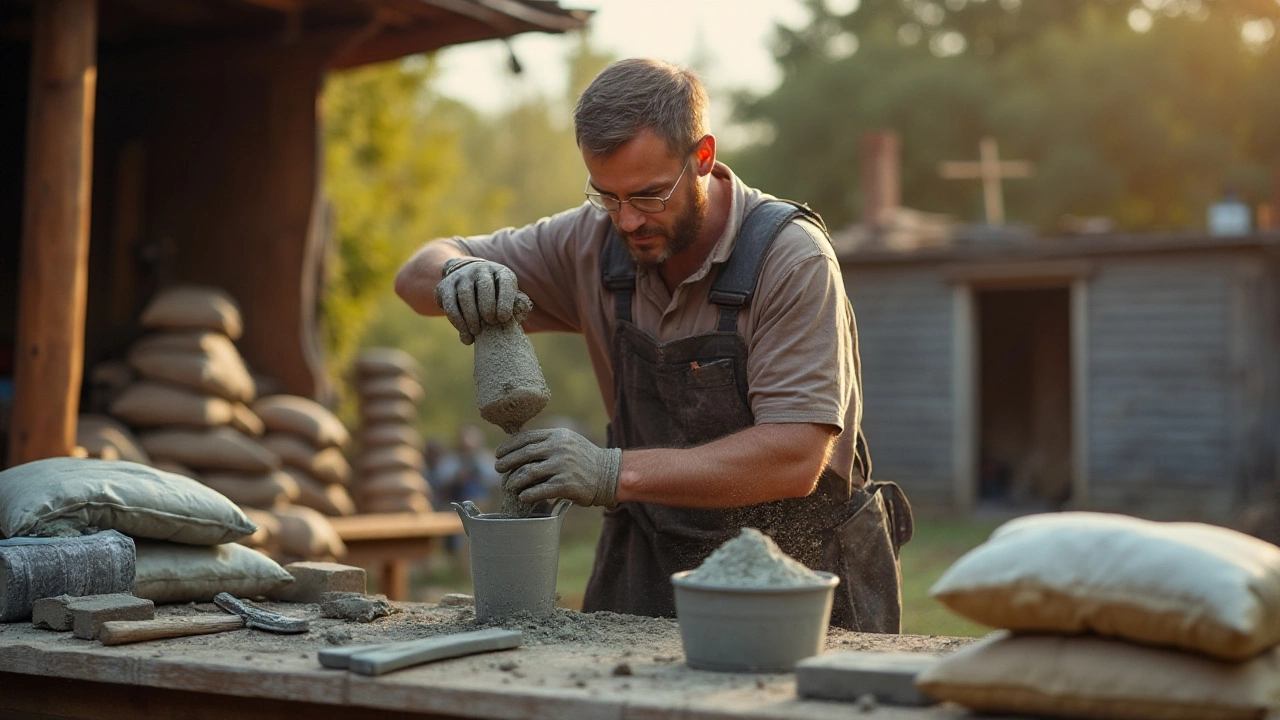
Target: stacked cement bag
point(389, 464)
point(309, 441)
point(189, 398)
point(1108, 616)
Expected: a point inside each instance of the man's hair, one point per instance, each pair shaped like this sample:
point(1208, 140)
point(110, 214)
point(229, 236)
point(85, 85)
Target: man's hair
point(634, 94)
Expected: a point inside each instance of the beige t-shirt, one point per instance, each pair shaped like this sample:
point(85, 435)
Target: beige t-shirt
point(802, 363)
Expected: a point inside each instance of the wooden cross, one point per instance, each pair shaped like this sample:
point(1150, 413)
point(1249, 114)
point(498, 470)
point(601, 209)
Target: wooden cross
point(990, 169)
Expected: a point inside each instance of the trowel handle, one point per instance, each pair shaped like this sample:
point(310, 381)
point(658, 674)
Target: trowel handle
point(119, 632)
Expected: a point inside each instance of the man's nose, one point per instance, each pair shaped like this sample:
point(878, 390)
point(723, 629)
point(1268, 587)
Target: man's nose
point(629, 218)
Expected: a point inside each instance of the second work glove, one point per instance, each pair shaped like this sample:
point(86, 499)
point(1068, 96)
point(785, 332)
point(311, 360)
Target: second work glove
point(559, 463)
point(474, 292)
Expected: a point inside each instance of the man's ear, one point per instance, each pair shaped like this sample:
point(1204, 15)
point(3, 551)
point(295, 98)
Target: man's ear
point(705, 152)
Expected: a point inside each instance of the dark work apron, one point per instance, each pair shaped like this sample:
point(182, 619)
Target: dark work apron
point(691, 391)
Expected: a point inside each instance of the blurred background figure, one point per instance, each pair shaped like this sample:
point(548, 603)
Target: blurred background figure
point(465, 472)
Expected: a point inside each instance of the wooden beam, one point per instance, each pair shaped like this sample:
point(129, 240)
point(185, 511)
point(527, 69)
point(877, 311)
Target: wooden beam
point(55, 235)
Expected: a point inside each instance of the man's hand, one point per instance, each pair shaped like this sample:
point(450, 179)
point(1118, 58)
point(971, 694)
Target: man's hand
point(475, 292)
point(559, 463)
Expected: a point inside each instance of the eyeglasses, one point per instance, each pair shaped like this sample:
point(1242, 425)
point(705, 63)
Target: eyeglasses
point(644, 204)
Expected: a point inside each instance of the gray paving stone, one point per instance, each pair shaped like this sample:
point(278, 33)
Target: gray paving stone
point(88, 613)
point(311, 580)
point(849, 676)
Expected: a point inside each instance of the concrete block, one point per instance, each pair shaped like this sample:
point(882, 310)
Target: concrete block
point(51, 613)
point(32, 568)
point(850, 676)
point(312, 579)
point(88, 613)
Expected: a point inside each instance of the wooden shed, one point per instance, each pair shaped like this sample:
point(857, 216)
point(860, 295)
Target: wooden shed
point(147, 142)
point(1134, 373)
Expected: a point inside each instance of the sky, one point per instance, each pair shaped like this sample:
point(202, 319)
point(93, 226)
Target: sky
point(734, 35)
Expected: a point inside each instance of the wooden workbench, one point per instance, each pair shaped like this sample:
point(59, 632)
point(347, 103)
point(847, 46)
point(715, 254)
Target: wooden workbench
point(250, 674)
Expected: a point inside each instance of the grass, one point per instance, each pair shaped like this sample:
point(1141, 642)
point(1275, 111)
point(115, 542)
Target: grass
point(937, 544)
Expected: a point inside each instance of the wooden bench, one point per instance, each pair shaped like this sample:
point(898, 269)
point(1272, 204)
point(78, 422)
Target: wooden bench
point(384, 543)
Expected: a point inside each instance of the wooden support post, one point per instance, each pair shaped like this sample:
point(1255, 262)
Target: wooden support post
point(55, 236)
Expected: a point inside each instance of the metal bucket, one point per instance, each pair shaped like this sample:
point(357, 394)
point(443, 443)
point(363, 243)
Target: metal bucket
point(752, 629)
point(513, 560)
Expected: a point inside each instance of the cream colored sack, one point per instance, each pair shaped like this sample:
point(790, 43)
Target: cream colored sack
point(382, 362)
point(1188, 585)
point(325, 498)
point(306, 534)
point(395, 504)
point(95, 433)
point(246, 421)
point(217, 449)
point(222, 374)
point(394, 482)
point(1091, 677)
point(151, 404)
point(391, 388)
point(303, 417)
point(194, 307)
point(394, 433)
point(388, 411)
point(327, 466)
point(384, 459)
point(171, 573)
point(265, 491)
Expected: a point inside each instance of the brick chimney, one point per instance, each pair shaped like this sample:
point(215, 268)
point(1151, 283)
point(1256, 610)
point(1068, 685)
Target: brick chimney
point(881, 180)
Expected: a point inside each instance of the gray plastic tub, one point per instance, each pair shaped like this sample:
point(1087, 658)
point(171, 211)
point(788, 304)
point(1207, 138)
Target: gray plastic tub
point(752, 629)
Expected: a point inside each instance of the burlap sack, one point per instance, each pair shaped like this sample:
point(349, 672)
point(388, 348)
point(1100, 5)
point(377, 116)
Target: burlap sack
point(390, 387)
point(395, 504)
point(327, 465)
point(172, 573)
point(303, 417)
point(394, 482)
point(326, 498)
point(265, 539)
point(1091, 677)
point(246, 421)
point(388, 411)
point(175, 468)
point(193, 307)
point(205, 450)
point(96, 432)
point(1187, 585)
point(152, 404)
point(382, 362)
point(51, 496)
point(222, 374)
point(264, 491)
point(393, 433)
point(393, 457)
point(306, 534)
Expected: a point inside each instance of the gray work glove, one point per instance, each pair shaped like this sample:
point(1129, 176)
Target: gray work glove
point(559, 463)
point(474, 292)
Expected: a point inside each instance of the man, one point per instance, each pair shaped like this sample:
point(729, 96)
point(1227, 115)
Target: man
point(727, 357)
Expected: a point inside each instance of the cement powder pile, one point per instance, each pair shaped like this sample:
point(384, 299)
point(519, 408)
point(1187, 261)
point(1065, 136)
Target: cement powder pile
point(752, 560)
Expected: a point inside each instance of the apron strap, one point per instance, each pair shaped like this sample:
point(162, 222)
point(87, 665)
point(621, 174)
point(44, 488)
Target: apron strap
point(736, 282)
point(618, 274)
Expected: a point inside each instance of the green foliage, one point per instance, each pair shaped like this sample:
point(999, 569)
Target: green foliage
point(404, 166)
point(1144, 127)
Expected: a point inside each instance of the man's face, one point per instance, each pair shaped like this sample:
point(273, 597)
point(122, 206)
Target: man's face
point(644, 166)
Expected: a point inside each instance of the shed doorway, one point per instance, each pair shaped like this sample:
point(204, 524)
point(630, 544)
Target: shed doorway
point(1024, 398)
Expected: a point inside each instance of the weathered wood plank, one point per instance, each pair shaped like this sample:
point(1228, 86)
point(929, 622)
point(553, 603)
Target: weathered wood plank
point(55, 240)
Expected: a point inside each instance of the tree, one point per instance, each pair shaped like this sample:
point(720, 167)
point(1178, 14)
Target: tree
point(1138, 111)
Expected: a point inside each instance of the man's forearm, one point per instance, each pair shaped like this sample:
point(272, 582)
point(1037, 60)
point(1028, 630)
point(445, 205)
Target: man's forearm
point(759, 464)
point(416, 282)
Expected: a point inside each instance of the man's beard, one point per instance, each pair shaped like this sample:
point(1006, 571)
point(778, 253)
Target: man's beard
point(679, 238)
